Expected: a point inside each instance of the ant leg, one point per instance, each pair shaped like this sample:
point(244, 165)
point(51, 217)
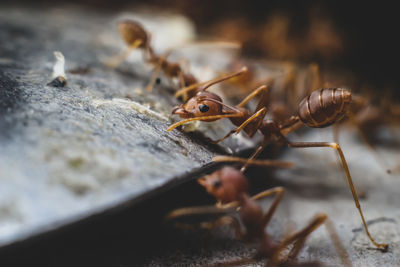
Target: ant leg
point(265, 163)
point(336, 146)
point(340, 249)
point(369, 145)
point(157, 69)
point(255, 154)
point(278, 191)
point(257, 117)
point(154, 76)
point(292, 124)
point(261, 195)
point(213, 117)
point(182, 84)
point(117, 60)
point(210, 82)
point(197, 210)
point(210, 210)
point(263, 90)
point(298, 238)
point(225, 220)
point(223, 138)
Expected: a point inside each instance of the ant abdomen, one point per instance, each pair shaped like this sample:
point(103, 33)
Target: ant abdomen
point(324, 107)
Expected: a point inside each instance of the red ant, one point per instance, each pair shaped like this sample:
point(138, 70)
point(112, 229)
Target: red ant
point(135, 36)
point(229, 186)
point(320, 109)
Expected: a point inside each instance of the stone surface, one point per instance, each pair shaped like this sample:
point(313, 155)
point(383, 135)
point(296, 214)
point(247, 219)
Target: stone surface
point(67, 152)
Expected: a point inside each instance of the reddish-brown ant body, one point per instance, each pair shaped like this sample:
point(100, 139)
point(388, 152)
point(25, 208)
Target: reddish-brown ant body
point(319, 109)
point(136, 37)
point(229, 186)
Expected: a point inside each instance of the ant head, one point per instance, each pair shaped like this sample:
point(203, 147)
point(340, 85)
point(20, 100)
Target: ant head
point(225, 184)
point(132, 31)
point(202, 104)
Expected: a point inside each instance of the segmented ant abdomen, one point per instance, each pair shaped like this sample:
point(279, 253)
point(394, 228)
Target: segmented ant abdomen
point(132, 31)
point(324, 107)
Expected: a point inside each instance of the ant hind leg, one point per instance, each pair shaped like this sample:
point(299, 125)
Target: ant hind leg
point(336, 146)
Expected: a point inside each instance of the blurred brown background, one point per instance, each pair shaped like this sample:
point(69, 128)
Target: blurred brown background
point(351, 36)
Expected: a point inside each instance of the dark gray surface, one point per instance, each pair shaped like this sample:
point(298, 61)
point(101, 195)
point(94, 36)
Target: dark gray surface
point(68, 152)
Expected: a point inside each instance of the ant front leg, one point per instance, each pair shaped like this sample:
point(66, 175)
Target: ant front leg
point(208, 210)
point(336, 146)
point(117, 60)
point(156, 70)
point(276, 190)
point(211, 117)
point(225, 220)
point(256, 117)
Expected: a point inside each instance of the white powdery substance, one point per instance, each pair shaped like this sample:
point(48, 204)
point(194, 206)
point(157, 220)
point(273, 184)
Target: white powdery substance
point(59, 66)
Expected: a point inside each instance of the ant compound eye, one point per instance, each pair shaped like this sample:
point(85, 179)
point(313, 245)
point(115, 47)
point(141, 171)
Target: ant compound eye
point(204, 108)
point(158, 80)
point(217, 184)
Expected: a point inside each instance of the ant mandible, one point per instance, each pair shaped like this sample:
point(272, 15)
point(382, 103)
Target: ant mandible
point(320, 109)
point(229, 186)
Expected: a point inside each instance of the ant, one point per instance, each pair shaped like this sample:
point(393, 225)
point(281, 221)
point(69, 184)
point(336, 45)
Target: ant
point(230, 187)
point(319, 109)
point(136, 37)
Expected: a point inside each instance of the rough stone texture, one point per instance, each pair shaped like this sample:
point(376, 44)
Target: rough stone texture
point(68, 152)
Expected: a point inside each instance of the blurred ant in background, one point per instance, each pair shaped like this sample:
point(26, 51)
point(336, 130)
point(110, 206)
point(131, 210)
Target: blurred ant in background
point(136, 37)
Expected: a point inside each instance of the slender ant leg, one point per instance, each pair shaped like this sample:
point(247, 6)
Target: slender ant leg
point(336, 146)
point(298, 237)
point(157, 69)
point(117, 60)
